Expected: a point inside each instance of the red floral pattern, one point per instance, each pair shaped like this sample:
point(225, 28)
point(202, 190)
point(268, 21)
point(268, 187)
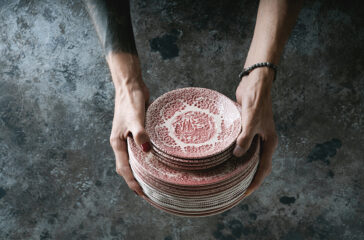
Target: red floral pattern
point(193, 123)
point(149, 164)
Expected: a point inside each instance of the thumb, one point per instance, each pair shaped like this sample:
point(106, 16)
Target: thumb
point(141, 137)
point(243, 143)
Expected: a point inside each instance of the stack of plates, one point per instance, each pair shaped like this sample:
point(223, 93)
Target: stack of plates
point(191, 170)
point(193, 128)
point(193, 193)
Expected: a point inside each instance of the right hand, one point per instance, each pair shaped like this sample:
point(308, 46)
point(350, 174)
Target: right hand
point(254, 96)
point(131, 98)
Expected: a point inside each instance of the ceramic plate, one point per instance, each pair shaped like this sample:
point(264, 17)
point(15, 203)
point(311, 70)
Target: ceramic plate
point(196, 213)
point(197, 204)
point(228, 151)
point(196, 193)
point(204, 209)
point(195, 163)
point(193, 123)
point(191, 189)
point(191, 166)
point(149, 163)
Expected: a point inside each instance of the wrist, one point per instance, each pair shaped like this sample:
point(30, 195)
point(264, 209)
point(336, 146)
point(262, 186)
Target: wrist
point(125, 71)
point(131, 90)
point(260, 53)
point(128, 86)
point(261, 77)
point(125, 68)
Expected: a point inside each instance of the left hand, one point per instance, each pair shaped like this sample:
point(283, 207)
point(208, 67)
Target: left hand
point(254, 96)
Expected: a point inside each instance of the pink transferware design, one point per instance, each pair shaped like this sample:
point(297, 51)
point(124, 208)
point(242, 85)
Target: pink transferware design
point(192, 189)
point(190, 166)
point(194, 192)
point(201, 205)
point(193, 123)
point(227, 152)
point(149, 163)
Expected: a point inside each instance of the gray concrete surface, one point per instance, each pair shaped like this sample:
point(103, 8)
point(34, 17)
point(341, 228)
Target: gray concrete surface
point(57, 178)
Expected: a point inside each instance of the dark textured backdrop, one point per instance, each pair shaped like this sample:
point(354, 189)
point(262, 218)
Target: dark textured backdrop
point(57, 173)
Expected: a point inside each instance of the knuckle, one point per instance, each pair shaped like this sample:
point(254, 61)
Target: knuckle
point(118, 171)
point(140, 133)
point(114, 141)
point(245, 138)
point(123, 171)
point(133, 185)
point(241, 140)
point(136, 127)
point(248, 130)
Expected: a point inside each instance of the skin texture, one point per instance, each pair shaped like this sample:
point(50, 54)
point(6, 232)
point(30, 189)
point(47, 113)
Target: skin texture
point(113, 25)
point(112, 21)
point(275, 21)
point(131, 98)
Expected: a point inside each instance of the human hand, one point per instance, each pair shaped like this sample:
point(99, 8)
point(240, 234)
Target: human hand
point(131, 98)
point(254, 96)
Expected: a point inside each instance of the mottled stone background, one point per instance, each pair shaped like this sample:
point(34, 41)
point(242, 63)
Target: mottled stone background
point(57, 173)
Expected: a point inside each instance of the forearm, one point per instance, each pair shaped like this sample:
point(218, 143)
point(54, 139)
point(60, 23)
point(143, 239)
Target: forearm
point(113, 25)
point(275, 20)
point(112, 22)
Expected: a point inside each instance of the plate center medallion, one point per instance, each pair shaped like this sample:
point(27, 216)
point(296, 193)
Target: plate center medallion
point(194, 127)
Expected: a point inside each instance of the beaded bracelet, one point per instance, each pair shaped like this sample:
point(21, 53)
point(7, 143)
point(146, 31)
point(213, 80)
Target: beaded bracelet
point(247, 70)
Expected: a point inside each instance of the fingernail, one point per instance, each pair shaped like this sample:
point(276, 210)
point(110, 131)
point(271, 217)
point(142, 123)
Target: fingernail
point(146, 147)
point(238, 151)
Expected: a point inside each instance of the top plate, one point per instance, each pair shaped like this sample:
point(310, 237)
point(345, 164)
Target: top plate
point(193, 123)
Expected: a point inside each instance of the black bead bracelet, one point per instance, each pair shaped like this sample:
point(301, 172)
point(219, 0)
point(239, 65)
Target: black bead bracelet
point(247, 70)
